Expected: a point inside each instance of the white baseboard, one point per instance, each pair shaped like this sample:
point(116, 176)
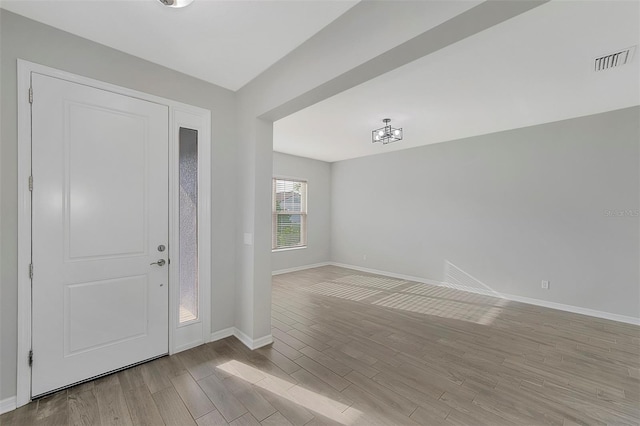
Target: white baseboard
point(221, 334)
point(7, 404)
point(574, 309)
point(255, 343)
point(528, 300)
point(300, 268)
point(387, 273)
point(246, 340)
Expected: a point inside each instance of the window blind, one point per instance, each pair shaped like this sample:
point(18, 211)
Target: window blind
point(289, 213)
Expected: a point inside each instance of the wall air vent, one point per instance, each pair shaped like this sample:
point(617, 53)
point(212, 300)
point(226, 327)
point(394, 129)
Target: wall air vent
point(613, 60)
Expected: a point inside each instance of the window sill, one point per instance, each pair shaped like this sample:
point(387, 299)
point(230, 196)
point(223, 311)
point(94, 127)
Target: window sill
point(287, 249)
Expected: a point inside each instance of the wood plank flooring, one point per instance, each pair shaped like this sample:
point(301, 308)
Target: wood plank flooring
point(357, 349)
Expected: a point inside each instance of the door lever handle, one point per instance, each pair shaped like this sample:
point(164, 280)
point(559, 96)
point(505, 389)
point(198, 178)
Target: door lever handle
point(160, 262)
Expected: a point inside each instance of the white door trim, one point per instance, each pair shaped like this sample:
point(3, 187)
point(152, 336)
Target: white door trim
point(25, 68)
point(194, 333)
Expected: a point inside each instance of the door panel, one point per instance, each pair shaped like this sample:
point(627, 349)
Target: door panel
point(100, 210)
point(104, 312)
point(106, 174)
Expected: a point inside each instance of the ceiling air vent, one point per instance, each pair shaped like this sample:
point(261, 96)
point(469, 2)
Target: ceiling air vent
point(614, 59)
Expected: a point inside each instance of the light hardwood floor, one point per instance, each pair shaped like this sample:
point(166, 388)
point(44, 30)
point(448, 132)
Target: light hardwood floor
point(354, 348)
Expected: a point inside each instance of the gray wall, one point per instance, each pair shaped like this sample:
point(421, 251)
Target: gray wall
point(32, 41)
point(318, 175)
point(504, 211)
point(319, 68)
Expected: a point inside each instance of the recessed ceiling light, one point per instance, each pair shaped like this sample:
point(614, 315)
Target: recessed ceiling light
point(176, 3)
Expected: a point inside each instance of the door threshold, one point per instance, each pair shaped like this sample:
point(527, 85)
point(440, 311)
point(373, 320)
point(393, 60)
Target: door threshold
point(117, 370)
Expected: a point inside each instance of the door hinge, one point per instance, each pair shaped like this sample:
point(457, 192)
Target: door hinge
point(30, 357)
point(30, 183)
point(30, 95)
point(31, 270)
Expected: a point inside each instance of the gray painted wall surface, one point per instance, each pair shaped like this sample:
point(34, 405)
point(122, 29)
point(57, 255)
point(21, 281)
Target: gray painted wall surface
point(318, 175)
point(320, 67)
point(506, 210)
point(35, 42)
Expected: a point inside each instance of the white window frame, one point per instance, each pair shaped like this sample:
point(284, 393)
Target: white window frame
point(303, 215)
point(181, 337)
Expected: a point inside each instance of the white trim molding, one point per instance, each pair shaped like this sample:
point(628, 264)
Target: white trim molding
point(7, 404)
point(575, 309)
point(23, 385)
point(386, 273)
point(246, 340)
point(512, 297)
point(187, 335)
point(261, 342)
point(253, 343)
point(300, 268)
point(221, 334)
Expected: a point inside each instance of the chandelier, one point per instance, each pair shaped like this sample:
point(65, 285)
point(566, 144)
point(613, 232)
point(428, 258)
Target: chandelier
point(386, 134)
point(176, 3)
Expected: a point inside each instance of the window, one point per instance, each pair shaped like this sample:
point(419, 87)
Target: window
point(289, 219)
point(188, 171)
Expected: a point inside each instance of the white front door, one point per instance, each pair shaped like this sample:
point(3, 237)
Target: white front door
point(100, 215)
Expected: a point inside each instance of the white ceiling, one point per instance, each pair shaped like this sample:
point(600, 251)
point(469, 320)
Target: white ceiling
point(535, 68)
point(227, 43)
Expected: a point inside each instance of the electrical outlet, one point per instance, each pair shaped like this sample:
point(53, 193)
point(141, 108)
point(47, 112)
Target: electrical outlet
point(545, 284)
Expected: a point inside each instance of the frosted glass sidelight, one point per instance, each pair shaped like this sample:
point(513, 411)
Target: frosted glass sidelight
point(188, 224)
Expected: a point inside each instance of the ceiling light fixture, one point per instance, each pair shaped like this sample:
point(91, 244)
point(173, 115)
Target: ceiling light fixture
point(386, 134)
point(176, 3)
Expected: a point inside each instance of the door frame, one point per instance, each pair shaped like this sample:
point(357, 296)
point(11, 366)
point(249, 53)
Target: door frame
point(180, 114)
